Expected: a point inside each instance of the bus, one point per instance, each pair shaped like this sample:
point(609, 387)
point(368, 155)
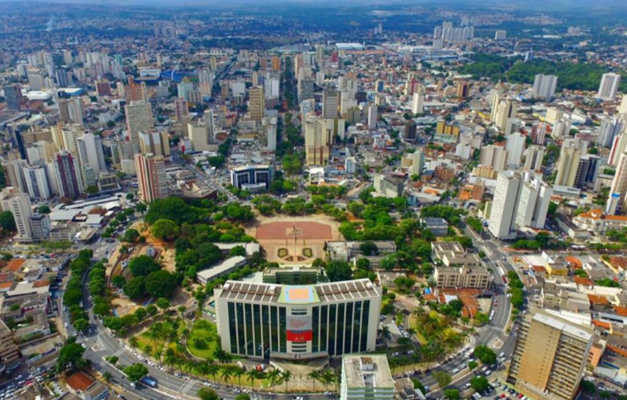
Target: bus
point(146, 380)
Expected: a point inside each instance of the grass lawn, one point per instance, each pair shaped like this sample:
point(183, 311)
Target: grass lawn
point(143, 341)
point(203, 339)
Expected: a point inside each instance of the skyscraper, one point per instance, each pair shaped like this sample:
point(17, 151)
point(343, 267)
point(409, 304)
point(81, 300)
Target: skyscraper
point(20, 206)
point(199, 135)
point(550, 357)
point(257, 103)
point(618, 190)
point(138, 119)
point(505, 110)
point(90, 152)
point(372, 117)
point(317, 141)
point(520, 200)
point(609, 86)
point(568, 165)
point(515, 148)
point(410, 130)
point(13, 97)
point(181, 109)
point(494, 156)
point(330, 102)
point(610, 128)
point(156, 142)
point(151, 177)
point(418, 162)
point(37, 182)
point(68, 175)
point(544, 86)
point(417, 104)
point(534, 156)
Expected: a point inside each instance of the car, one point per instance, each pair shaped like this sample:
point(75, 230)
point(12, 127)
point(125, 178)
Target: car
point(467, 385)
point(488, 372)
point(66, 324)
point(84, 346)
point(456, 371)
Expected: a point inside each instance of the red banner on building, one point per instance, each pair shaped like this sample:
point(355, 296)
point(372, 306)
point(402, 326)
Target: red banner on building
point(299, 336)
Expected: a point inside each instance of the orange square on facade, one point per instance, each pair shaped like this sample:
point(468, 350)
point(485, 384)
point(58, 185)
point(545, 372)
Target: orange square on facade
point(297, 294)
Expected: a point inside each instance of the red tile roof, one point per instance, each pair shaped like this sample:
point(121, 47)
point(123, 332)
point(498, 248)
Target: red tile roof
point(79, 381)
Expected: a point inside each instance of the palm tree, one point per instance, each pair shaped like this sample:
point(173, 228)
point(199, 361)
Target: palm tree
point(227, 373)
point(133, 342)
point(238, 373)
point(411, 331)
point(274, 376)
point(285, 377)
point(213, 370)
point(328, 377)
point(385, 332)
point(153, 335)
point(170, 357)
point(107, 376)
point(314, 375)
point(148, 349)
point(251, 376)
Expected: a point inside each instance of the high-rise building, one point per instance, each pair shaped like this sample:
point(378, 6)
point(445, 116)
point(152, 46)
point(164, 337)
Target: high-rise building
point(550, 357)
point(138, 119)
point(505, 110)
point(199, 135)
point(181, 109)
point(90, 152)
point(372, 117)
point(500, 34)
point(155, 142)
point(68, 176)
point(619, 145)
point(418, 162)
point(534, 156)
point(609, 86)
point(366, 377)
point(544, 86)
point(410, 130)
point(330, 102)
point(610, 128)
point(567, 166)
point(494, 156)
point(20, 206)
point(587, 171)
point(618, 190)
point(417, 104)
point(305, 89)
point(622, 108)
point(13, 97)
point(257, 103)
point(317, 141)
point(37, 182)
point(520, 200)
point(463, 90)
point(515, 147)
point(151, 177)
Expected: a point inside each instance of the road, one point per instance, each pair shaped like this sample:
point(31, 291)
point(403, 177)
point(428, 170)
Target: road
point(494, 334)
point(100, 343)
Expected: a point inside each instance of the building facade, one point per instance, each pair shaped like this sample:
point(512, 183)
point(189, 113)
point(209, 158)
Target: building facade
point(550, 357)
point(151, 177)
point(366, 378)
point(298, 322)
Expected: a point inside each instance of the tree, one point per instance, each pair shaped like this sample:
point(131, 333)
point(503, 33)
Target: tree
point(242, 396)
point(472, 365)
point(70, 356)
point(165, 229)
point(207, 394)
point(107, 375)
point(161, 284)
point(338, 271)
point(135, 372)
point(588, 386)
point(81, 324)
point(136, 287)
point(286, 376)
point(485, 354)
point(131, 235)
point(368, 248)
point(451, 394)
point(163, 303)
point(479, 383)
point(44, 210)
point(118, 281)
point(7, 222)
point(442, 378)
point(143, 265)
point(133, 342)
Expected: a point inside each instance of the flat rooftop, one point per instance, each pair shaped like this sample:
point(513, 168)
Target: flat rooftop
point(370, 372)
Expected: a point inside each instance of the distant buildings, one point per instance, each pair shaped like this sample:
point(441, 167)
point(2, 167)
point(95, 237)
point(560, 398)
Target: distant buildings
point(609, 86)
point(138, 119)
point(500, 34)
point(318, 137)
point(544, 86)
point(550, 357)
point(257, 103)
point(520, 200)
point(151, 177)
point(388, 186)
point(463, 277)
